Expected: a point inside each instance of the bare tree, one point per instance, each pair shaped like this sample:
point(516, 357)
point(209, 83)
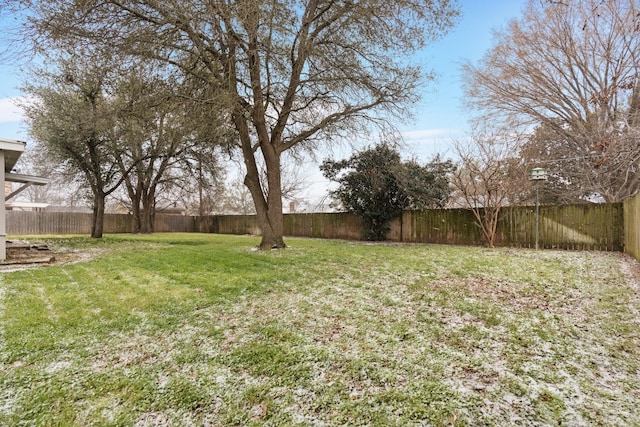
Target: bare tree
point(198, 180)
point(490, 176)
point(235, 199)
point(287, 73)
point(155, 133)
point(572, 69)
point(571, 176)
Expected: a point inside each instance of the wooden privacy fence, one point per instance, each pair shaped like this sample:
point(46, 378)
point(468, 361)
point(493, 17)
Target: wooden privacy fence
point(318, 225)
point(26, 223)
point(587, 227)
point(632, 225)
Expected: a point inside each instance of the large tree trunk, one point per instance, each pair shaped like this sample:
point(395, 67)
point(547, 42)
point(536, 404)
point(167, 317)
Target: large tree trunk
point(97, 226)
point(136, 214)
point(146, 223)
point(273, 229)
point(268, 211)
point(273, 223)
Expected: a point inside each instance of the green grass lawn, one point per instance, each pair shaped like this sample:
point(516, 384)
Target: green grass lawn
point(195, 329)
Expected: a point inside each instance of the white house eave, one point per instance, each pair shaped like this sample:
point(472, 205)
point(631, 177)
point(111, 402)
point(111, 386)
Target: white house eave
point(12, 145)
point(12, 150)
point(25, 179)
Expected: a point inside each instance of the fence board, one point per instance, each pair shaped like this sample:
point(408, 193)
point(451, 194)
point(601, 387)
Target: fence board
point(171, 223)
point(632, 225)
point(335, 226)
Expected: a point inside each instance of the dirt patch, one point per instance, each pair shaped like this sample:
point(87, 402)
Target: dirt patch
point(27, 258)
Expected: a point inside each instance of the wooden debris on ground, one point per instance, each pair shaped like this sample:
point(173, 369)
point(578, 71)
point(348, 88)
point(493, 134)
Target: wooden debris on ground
point(23, 244)
point(24, 252)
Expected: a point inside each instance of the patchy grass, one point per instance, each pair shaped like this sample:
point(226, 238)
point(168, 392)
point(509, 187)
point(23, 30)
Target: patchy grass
point(177, 329)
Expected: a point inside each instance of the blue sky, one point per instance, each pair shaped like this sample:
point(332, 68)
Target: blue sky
point(439, 116)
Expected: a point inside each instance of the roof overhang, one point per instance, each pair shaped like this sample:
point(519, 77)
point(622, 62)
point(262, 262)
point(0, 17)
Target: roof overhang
point(12, 150)
point(25, 179)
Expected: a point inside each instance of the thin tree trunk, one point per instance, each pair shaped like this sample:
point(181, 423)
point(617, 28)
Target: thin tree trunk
point(135, 211)
point(487, 220)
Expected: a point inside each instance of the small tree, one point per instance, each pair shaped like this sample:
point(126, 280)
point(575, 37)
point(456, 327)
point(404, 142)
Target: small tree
point(490, 176)
point(377, 186)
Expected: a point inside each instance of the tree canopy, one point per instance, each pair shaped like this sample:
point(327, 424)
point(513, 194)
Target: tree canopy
point(572, 69)
point(113, 125)
point(72, 115)
point(287, 74)
point(376, 185)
